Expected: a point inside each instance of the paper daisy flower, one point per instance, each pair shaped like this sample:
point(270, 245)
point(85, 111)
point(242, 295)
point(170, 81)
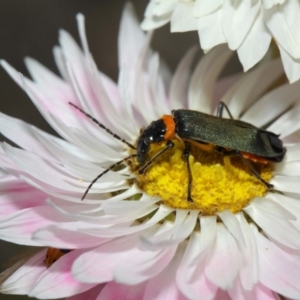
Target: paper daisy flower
point(246, 26)
point(137, 236)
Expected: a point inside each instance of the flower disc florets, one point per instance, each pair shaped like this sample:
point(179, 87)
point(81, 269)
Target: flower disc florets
point(219, 182)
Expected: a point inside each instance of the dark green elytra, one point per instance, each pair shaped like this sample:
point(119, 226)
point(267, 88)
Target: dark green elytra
point(228, 133)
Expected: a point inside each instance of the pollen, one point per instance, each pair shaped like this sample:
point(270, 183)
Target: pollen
point(219, 182)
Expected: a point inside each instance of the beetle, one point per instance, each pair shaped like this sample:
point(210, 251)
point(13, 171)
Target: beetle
point(53, 254)
point(227, 136)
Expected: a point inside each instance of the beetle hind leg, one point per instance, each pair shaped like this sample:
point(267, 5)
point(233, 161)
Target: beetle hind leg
point(186, 155)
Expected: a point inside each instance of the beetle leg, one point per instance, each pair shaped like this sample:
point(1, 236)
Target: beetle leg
point(254, 172)
point(169, 145)
point(186, 155)
point(221, 106)
point(250, 167)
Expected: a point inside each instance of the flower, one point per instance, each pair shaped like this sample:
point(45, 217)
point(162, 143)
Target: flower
point(123, 241)
point(246, 26)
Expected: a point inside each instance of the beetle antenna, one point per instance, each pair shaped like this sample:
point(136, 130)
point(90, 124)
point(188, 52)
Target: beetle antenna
point(109, 169)
point(103, 127)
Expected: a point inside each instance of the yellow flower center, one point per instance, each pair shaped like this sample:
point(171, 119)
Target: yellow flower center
point(219, 182)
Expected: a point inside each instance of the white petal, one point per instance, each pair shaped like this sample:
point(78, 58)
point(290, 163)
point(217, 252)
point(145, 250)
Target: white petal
point(239, 15)
point(204, 7)
point(286, 184)
point(224, 258)
point(291, 65)
point(280, 30)
point(288, 169)
point(182, 19)
point(210, 30)
point(292, 153)
point(256, 43)
point(232, 225)
point(270, 3)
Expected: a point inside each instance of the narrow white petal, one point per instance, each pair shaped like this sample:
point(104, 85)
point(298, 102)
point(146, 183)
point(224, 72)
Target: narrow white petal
point(232, 225)
point(223, 258)
point(204, 77)
point(131, 38)
point(277, 210)
point(286, 124)
point(288, 169)
point(270, 3)
point(275, 227)
point(279, 99)
point(286, 184)
point(249, 268)
point(292, 153)
point(279, 271)
point(251, 86)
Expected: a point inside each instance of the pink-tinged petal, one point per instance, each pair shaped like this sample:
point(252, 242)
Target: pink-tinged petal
point(113, 290)
point(182, 19)
point(23, 135)
point(91, 294)
point(279, 270)
point(238, 15)
point(20, 226)
point(222, 295)
point(180, 80)
point(22, 280)
point(163, 286)
point(57, 281)
point(258, 292)
point(142, 265)
point(204, 77)
point(210, 30)
point(131, 38)
point(66, 236)
point(224, 258)
point(280, 99)
point(107, 257)
point(190, 276)
point(17, 200)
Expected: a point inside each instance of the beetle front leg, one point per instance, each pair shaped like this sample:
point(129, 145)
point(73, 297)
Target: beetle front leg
point(186, 155)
